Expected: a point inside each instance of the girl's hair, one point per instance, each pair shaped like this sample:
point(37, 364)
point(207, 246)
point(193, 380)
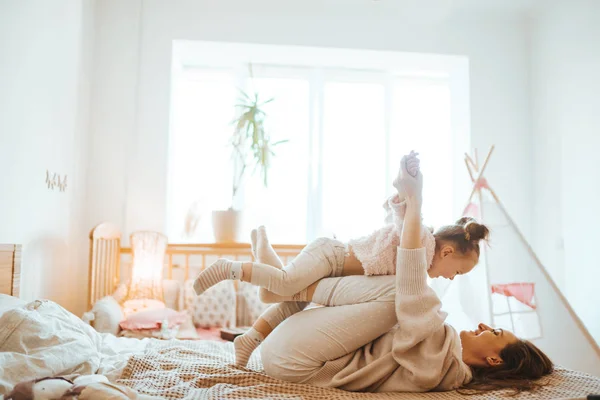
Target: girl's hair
point(465, 234)
point(523, 365)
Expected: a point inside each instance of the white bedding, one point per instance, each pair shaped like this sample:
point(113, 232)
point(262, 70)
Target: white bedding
point(42, 339)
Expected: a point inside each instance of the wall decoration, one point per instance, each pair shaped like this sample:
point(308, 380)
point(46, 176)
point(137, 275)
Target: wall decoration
point(55, 181)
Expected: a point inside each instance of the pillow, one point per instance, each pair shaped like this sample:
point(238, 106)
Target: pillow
point(9, 302)
point(173, 294)
point(153, 319)
point(131, 307)
point(105, 315)
point(184, 331)
point(249, 306)
point(213, 308)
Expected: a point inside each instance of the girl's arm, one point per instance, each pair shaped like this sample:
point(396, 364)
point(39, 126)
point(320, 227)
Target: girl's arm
point(395, 209)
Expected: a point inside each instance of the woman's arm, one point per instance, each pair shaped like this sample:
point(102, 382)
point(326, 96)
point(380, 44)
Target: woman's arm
point(417, 305)
point(411, 228)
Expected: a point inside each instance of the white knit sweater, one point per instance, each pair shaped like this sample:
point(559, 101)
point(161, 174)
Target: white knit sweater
point(422, 353)
point(378, 251)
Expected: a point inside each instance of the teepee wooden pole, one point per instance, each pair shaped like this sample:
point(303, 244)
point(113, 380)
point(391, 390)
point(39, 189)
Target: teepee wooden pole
point(470, 161)
point(544, 272)
point(479, 176)
point(469, 169)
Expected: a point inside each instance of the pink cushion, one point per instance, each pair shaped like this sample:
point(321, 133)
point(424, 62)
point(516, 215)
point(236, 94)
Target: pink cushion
point(153, 319)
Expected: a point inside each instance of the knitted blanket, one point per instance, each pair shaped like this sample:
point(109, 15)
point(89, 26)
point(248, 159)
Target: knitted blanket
point(205, 370)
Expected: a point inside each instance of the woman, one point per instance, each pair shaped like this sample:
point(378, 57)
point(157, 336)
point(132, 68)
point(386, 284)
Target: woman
point(388, 334)
point(451, 250)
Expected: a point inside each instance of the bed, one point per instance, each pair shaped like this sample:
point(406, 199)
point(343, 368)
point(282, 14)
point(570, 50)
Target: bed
point(40, 338)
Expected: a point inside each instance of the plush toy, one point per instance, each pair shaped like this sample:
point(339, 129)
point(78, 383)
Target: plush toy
point(96, 387)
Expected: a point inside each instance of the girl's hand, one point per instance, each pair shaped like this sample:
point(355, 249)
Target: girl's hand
point(412, 163)
point(411, 184)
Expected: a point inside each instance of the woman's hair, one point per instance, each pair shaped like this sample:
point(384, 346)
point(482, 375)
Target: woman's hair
point(465, 234)
point(523, 365)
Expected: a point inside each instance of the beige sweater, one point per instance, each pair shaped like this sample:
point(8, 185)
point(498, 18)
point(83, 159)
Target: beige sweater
point(422, 353)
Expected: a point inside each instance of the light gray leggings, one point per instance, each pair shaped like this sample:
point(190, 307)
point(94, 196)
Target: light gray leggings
point(358, 310)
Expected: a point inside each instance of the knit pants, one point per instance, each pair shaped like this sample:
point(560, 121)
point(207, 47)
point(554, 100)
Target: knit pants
point(359, 309)
point(322, 258)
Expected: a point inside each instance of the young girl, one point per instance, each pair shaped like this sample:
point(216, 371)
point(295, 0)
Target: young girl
point(452, 250)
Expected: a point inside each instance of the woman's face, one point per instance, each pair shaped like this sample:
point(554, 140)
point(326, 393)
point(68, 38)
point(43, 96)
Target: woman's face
point(447, 263)
point(482, 347)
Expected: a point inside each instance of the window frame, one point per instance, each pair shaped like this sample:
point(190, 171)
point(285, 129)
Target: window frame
point(319, 66)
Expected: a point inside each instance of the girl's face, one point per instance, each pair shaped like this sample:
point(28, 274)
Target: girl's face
point(447, 263)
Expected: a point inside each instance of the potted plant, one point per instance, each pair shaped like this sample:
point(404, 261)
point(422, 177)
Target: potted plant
point(251, 147)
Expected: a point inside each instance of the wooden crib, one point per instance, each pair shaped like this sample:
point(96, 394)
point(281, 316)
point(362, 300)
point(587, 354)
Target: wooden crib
point(110, 263)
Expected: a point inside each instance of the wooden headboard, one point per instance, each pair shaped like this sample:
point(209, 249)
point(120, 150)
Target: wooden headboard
point(10, 269)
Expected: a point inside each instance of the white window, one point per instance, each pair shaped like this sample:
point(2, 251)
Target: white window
point(347, 126)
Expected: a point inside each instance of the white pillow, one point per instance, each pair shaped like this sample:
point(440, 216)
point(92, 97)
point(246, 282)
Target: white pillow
point(213, 308)
point(249, 306)
point(9, 302)
point(106, 315)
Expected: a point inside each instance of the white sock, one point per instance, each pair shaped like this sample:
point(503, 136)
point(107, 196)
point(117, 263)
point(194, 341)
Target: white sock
point(220, 270)
point(245, 344)
point(264, 253)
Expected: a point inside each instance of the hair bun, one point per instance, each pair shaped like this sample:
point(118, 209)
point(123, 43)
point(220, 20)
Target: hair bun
point(473, 229)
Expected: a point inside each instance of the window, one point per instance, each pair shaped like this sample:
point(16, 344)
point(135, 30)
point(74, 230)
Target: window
point(347, 126)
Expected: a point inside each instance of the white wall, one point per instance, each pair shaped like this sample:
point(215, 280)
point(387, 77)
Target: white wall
point(45, 57)
point(131, 107)
point(565, 71)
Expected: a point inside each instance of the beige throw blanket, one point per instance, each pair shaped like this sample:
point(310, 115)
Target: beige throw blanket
point(205, 370)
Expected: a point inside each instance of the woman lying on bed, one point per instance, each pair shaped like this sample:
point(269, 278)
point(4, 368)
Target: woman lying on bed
point(387, 333)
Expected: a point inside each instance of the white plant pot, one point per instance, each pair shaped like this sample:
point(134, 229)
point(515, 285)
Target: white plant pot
point(226, 225)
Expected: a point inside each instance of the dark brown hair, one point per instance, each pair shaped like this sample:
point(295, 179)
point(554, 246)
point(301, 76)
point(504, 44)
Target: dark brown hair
point(523, 365)
point(465, 234)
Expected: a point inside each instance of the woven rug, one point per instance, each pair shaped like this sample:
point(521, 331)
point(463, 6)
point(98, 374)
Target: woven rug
point(205, 370)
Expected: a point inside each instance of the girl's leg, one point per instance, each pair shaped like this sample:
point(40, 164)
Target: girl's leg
point(245, 344)
point(322, 258)
point(352, 266)
point(262, 249)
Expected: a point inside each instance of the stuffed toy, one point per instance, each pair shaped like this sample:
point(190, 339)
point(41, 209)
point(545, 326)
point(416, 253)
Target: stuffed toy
point(96, 387)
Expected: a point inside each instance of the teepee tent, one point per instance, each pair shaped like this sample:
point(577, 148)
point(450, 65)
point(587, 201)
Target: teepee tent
point(511, 289)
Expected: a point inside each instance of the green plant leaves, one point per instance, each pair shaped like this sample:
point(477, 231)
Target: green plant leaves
point(250, 141)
